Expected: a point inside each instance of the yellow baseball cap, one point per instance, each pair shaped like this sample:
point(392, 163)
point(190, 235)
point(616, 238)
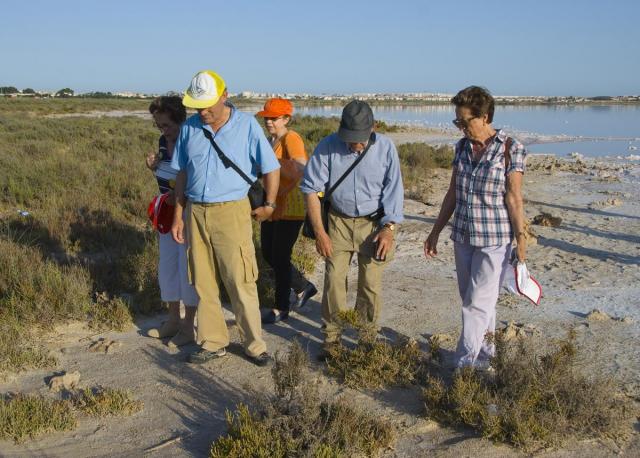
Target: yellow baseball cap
point(204, 91)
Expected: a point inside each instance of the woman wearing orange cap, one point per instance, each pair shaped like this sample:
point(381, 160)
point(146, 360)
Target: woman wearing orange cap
point(279, 234)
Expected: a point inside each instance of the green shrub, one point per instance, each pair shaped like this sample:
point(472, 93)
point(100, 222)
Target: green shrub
point(535, 399)
point(374, 363)
point(103, 402)
point(295, 422)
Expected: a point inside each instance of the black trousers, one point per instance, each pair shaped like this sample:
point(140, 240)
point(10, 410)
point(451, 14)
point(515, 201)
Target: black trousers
point(277, 239)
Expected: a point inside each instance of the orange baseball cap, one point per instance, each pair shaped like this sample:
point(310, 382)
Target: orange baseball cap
point(274, 108)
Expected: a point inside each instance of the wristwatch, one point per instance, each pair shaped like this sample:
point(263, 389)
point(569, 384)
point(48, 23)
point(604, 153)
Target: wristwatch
point(390, 226)
point(269, 204)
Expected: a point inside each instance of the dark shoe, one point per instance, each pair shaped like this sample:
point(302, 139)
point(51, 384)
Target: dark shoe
point(202, 356)
point(327, 351)
point(307, 293)
point(273, 316)
point(263, 359)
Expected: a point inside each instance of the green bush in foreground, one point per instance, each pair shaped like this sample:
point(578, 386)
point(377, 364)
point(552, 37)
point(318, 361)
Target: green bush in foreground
point(374, 363)
point(26, 416)
point(534, 400)
point(297, 423)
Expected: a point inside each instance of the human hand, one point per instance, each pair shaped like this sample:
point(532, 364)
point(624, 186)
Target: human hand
point(152, 160)
point(263, 213)
point(431, 245)
point(177, 230)
point(384, 242)
point(324, 246)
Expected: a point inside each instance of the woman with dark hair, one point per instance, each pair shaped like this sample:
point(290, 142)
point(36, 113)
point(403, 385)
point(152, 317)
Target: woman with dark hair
point(278, 235)
point(485, 199)
point(168, 114)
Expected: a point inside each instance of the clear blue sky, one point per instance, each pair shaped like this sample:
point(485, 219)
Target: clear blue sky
point(542, 47)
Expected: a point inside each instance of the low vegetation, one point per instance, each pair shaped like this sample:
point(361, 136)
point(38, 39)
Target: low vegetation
point(418, 160)
point(72, 224)
point(39, 107)
point(18, 348)
point(74, 239)
point(374, 363)
point(28, 416)
point(296, 422)
point(103, 402)
point(533, 399)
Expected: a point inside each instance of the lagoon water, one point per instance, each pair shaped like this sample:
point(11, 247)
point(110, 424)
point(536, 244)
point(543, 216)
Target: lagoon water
point(591, 130)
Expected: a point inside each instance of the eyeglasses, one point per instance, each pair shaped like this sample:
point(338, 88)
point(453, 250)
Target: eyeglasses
point(462, 123)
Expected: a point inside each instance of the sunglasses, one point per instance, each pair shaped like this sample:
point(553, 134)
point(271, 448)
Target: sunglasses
point(462, 123)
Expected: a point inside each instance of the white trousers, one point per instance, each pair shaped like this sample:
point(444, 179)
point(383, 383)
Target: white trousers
point(480, 271)
point(173, 274)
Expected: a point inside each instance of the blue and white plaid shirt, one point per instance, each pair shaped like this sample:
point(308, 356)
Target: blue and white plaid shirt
point(481, 211)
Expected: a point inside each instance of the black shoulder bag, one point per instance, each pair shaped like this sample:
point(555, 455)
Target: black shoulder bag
point(257, 195)
point(325, 203)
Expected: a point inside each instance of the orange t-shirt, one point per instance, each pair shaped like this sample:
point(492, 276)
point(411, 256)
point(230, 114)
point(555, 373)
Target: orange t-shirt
point(290, 201)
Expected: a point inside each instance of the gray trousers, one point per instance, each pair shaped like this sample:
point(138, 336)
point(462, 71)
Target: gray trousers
point(480, 272)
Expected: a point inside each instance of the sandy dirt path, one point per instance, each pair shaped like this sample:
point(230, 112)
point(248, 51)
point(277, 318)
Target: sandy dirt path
point(591, 261)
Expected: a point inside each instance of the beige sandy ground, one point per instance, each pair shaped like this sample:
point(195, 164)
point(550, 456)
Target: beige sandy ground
point(590, 261)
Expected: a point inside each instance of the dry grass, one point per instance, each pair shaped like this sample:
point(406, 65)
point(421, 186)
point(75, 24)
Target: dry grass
point(18, 350)
point(38, 107)
point(28, 416)
point(23, 417)
point(295, 422)
point(103, 402)
point(535, 399)
point(110, 313)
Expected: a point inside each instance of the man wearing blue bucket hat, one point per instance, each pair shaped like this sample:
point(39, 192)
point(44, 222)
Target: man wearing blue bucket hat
point(219, 150)
point(358, 172)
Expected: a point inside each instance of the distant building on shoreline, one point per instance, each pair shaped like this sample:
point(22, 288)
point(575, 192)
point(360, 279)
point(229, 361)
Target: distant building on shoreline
point(399, 97)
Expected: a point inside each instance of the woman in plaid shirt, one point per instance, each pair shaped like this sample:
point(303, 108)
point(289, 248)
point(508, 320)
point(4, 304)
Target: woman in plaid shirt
point(485, 199)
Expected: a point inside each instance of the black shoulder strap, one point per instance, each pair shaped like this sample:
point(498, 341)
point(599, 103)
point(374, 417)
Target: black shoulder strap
point(372, 139)
point(224, 159)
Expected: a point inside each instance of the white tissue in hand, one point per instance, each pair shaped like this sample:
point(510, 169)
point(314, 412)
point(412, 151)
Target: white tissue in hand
point(519, 281)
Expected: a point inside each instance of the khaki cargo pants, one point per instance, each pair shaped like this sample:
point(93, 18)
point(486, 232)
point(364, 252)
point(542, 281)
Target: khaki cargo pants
point(351, 236)
point(221, 251)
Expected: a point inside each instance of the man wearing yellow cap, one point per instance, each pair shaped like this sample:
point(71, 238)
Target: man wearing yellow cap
point(218, 213)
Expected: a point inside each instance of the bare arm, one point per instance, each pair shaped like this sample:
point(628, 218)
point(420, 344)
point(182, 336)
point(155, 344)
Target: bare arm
point(177, 227)
point(515, 206)
point(446, 210)
point(314, 210)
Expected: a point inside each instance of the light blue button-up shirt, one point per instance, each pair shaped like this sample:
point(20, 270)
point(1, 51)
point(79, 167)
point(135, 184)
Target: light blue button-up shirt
point(241, 139)
point(374, 183)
